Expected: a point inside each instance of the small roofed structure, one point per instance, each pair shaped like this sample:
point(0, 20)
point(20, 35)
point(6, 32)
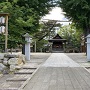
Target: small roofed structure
point(57, 44)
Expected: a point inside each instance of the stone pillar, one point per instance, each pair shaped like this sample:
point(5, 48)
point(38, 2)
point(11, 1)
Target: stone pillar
point(88, 47)
point(27, 46)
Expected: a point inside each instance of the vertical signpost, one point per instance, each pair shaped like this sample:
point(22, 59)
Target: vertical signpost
point(4, 27)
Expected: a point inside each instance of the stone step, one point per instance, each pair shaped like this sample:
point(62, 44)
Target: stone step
point(29, 67)
point(10, 85)
point(25, 71)
point(8, 88)
point(19, 77)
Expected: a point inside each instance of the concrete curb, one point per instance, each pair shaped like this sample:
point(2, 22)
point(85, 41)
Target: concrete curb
point(25, 83)
point(86, 69)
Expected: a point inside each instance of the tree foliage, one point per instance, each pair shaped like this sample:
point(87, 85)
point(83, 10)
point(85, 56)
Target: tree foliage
point(72, 35)
point(41, 45)
point(24, 17)
point(78, 11)
point(48, 29)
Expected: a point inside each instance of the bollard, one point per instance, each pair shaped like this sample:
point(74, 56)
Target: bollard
point(27, 46)
point(88, 47)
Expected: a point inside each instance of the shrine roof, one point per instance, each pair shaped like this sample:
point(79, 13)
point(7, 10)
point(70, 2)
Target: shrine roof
point(57, 38)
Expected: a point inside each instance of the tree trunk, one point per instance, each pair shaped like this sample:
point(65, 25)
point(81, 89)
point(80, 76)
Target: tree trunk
point(88, 31)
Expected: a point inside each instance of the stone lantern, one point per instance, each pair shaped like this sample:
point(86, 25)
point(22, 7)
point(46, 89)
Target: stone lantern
point(88, 47)
point(27, 46)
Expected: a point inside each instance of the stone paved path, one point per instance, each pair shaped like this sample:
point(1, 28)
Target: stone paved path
point(60, 60)
point(59, 72)
point(20, 78)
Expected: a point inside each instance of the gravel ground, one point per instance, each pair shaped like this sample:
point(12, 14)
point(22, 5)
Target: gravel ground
point(39, 57)
point(78, 57)
point(81, 59)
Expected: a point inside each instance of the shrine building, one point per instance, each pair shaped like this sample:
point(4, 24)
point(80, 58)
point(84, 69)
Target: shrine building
point(57, 44)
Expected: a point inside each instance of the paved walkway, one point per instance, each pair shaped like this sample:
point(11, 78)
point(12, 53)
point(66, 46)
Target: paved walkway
point(59, 72)
point(19, 79)
point(60, 60)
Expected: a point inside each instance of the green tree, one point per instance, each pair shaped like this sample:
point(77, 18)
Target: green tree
point(48, 29)
point(78, 11)
point(72, 35)
point(24, 17)
point(41, 45)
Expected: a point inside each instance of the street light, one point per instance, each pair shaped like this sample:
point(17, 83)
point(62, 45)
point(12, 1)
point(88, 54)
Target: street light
point(4, 27)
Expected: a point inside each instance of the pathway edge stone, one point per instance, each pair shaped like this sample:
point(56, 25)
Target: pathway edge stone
point(25, 83)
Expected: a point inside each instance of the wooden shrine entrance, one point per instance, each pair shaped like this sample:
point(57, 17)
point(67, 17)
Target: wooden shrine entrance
point(57, 44)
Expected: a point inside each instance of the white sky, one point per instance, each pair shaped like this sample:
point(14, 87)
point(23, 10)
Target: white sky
point(56, 14)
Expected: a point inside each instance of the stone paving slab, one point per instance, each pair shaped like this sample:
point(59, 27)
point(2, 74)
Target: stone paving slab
point(32, 68)
point(15, 81)
point(25, 71)
point(30, 65)
point(10, 85)
point(9, 89)
point(19, 77)
point(60, 72)
point(60, 78)
point(60, 60)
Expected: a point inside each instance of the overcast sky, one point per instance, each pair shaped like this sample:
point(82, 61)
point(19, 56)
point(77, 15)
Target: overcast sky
point(56, 14)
